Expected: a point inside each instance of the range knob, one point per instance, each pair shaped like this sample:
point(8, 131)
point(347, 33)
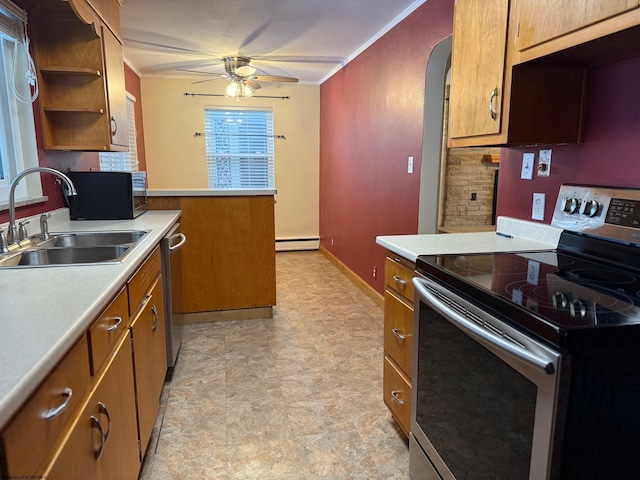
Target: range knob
point(578, 309)
point(560, 300)
point(570, 205)
point(590, 208)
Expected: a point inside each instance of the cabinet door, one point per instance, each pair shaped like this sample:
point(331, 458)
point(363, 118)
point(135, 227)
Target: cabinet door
point(478, 61)
point(116, 92)
point(542, 20)
point(150, 359)
point(102, 442)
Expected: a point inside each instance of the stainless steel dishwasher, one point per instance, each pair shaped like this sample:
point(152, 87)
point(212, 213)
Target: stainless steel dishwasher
point(172, 275)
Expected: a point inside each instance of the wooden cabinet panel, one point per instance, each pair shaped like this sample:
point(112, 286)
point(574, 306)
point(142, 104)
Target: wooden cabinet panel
point(107, 425)
point(477, 64)
point(397, 395)
point(31, 435)
point(398, 331)
point(105, 331)
point(116, 92)
point(542, 20)
point(150, 359)
point(398, 277)
point(229, 261)
point(141, 282)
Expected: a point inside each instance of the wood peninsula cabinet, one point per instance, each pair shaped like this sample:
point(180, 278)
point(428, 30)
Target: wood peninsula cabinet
point(229, 261)
point(78, 57)
point(493, 103)
point(398, 338)
point(91, 419)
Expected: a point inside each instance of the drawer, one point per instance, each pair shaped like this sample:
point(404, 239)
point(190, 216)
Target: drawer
point(398, 276)
point(398, 331)
point(31, 435)
point(397, 395)
point(142, 280)
point(106, 330)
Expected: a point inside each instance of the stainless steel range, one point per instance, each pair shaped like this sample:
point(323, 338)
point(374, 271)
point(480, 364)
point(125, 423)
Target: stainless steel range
point(527, 365)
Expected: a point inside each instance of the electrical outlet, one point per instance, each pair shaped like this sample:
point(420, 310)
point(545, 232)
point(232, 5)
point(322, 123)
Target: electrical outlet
point(410, 165)
point(537, 208)
point(544, 163)
point(375, 272)
point(527, 166)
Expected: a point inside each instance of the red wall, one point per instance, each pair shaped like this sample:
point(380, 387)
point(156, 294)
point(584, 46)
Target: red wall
point(74, 160)
point(608, 156)
point(371, 120)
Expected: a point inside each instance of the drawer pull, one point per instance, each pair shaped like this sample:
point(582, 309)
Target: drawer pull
point(156, 322)
point(399, 281)
point(493, 95)
point(95, 423)
point(394, 396)
point(67, 393)
point(398, 334)
point(117, 321)
point(102, 408)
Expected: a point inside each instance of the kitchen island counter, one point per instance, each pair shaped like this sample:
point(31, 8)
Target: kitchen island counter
point(209, 192)
point(45, 310)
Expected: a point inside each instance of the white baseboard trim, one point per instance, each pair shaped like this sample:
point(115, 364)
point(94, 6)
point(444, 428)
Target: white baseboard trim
point(292, 244)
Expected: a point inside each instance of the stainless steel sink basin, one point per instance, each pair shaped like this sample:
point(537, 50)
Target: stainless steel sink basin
point(92, 239)
point(72, 255)
point(73, 248)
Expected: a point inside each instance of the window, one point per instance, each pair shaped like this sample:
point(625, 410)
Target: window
point(18, 89)
point(239, 147)
point(123, 161)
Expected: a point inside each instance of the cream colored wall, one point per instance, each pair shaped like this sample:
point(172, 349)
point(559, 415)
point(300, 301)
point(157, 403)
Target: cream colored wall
point(176, 159)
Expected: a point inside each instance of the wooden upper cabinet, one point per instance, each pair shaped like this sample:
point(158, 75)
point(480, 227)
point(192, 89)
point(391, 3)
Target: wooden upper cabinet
point(81, 77)
point(478, 65)
point(543, 20)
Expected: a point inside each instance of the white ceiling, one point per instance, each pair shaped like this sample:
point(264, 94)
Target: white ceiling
point(305, 39)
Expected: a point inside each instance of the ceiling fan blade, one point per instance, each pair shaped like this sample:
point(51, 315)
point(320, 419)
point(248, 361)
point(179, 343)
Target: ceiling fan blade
point(252, 83)
point(210, 74)
point(275, 78)
point(204, 81)
point(245, 70)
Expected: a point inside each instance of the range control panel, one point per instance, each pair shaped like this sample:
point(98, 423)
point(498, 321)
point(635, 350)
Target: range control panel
point(607, 212)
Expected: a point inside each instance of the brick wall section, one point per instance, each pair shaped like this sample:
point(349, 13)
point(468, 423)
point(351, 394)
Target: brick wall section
point(467, 174)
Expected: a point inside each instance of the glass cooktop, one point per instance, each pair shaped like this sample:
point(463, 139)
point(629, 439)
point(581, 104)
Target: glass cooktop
point(543, 290)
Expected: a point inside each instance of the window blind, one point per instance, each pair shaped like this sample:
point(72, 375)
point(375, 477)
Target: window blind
point(123, 161)
point(239, 148)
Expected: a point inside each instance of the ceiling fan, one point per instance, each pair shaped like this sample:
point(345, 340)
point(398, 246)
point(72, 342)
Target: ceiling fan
point(244, 80)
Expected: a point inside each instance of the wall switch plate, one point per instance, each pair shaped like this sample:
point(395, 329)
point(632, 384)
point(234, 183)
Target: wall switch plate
point(544, 163)
point(527, 166)
point(537, 209)
point(533, 272)
point(410, 165)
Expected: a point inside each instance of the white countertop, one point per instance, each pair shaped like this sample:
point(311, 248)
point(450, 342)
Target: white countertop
point(44, 311)
point(209, 192)
point(522, 236)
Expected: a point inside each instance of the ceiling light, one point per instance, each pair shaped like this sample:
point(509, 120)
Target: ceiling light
point(238, 89)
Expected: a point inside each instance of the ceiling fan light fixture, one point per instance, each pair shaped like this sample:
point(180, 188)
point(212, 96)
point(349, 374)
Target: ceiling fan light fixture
point(233, 89)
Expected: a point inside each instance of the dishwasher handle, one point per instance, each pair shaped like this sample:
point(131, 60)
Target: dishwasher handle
point(471, 328)
point(179, 245)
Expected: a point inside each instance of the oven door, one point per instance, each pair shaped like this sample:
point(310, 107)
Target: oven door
point(485, 396)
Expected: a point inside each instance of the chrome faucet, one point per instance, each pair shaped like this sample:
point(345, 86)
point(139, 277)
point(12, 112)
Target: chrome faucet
point(12, 234)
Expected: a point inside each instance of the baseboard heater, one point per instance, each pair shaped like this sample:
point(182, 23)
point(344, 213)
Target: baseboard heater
point(291, 244)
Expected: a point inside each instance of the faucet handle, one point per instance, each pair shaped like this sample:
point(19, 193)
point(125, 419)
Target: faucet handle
point(3, 243)
point(22, 230)
point(44, 225)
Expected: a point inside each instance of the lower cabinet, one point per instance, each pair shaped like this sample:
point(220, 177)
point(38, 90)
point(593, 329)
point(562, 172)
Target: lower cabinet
point(91, 419)
point(102, 442)
point(150, 359)
point(398, 338)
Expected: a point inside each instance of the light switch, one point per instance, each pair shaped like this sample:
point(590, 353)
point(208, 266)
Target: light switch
point(527, 166)
point(410, 165)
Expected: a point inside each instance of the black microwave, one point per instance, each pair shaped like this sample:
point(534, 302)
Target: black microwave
point(108, 195)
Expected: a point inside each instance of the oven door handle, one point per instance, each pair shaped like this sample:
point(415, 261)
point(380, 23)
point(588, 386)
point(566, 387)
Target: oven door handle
point(471, 328)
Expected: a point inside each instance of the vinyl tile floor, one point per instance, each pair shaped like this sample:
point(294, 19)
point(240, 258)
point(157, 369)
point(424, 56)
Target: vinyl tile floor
point(297, 396)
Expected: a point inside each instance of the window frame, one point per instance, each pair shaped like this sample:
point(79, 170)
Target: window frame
point(245, 155)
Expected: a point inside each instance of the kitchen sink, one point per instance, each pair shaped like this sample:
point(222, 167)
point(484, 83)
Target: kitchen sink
point(91, 239)
point(73, 248)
